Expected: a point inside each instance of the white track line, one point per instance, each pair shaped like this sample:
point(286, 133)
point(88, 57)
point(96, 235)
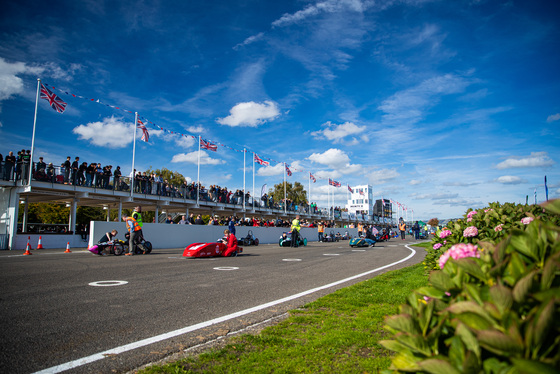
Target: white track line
point(158, 338)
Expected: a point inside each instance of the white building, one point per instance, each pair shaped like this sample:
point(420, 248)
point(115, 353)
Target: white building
point(361, 202)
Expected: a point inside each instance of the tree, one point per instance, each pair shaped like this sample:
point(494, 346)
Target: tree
point(294, 192)
point(434, 222)
point(173, 177)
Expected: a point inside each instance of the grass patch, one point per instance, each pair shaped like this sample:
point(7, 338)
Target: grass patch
point(337, 333)
point(423, 244)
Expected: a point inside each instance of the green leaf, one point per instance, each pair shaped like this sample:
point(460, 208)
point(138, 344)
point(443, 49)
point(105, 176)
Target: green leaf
point(493, 365)
point(416, 343)
point(401, 322)
point(431, 292)
point(441, 280)
point(404, 361)
point(544, 321)
point(501, 297)
point(470, 266)
point(549, 271)
point(523, 286)
point(499, 343)
point(438, 366)
point(473, 291)
point(524, 244)
point(393, 345)
point(533, 366)
point(468, 339)
point(425, 316)
point(456, 351)
point(552, 206)
point(474, 321)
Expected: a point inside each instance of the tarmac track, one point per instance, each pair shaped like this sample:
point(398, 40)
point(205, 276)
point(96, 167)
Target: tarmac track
point(145, 308)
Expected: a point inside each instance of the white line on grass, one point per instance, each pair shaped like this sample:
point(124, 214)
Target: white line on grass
point(158, 338)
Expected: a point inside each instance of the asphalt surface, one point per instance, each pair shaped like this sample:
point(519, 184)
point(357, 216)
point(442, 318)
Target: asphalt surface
point(53, 318)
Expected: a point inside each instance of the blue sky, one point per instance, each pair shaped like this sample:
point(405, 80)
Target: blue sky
point(440, 105)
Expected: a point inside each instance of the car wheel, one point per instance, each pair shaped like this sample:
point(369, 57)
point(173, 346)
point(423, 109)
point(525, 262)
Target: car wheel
point(118, 249)
point(305, 242)
point(256, 241)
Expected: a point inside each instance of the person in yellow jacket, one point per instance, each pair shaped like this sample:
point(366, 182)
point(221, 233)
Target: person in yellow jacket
point(321, 230)
point(295, 232)
point(133, 227)
point(402, 229)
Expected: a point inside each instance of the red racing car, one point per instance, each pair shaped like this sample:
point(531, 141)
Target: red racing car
point(210, 250)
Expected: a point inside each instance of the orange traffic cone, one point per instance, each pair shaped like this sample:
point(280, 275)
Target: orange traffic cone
point(68, 248)
point(27, 253)
point(40, 245)
point(29, 245)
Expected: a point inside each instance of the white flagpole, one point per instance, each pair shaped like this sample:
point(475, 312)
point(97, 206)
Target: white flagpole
point(253, 181)
point(198, 175)
point(133, 153)
point(285, 200)
point(309, 194)
point(243, 197)
point(33, 137)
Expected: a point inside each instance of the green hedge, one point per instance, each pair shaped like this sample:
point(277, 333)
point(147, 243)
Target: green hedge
point(496, 312)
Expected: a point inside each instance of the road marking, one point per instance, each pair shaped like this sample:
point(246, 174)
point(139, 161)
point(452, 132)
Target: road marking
point(107, 283)
point(358, 250)
point(331, 254)
point(291, 259)
point(169, 335)
point(226, 268)
point(392, 245)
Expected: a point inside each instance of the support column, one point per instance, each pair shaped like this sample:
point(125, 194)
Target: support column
point(120, 211)
point(25, 214)
point(156, 217)
point(9, 215)
point(72, 223)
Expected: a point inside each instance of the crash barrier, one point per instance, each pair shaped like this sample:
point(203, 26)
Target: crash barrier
point(179, 236)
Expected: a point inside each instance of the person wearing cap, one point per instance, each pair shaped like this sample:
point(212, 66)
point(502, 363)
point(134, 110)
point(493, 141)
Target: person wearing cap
point(133, 228)
point(51, 173)
point(137, 215)
point(295, 232)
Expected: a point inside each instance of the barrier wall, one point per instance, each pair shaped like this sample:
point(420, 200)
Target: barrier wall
point(179, 236)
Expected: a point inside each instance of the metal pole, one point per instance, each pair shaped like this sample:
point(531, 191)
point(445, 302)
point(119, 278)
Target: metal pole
point(243, 197)
point(133, 154)
point(33, 136)
point(198, 175)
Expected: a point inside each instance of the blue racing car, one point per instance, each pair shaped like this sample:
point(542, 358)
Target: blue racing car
point(362, 242)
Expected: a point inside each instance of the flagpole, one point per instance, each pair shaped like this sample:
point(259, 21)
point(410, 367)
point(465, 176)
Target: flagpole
point(253, 202)
point(133, 153)
point(33, 136)
point(285, 200)
point(309, 194)
point(198, 175)
point(243, 197)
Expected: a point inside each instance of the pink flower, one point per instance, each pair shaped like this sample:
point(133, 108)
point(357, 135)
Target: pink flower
point(469, 219)
point(444, 242)
point(458, 251)
point(499, 227)
point(488, 210)
point(444, 233)
point(470, 232)
point(527, 220)
point(471, 213)
point(438, 246)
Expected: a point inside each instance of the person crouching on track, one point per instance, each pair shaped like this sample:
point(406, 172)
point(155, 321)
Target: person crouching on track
point(103, 243)
point(231, 241)
point(133, 228)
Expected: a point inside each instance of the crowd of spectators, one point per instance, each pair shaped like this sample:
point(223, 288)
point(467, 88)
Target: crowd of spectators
point(239, 221)
point(79, 173)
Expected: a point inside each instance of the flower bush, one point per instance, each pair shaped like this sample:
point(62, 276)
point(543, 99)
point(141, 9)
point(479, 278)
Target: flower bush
point(492, 224)
point(459, 251)
point(497, 311)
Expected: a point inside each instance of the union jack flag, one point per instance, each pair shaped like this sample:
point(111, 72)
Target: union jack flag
point(260, 160)
point(334, 183)
point(350, 189)
point(362, 192)
point(145, 133)
point(54, 101)
point(288, 171)
point(208, 145)
point(312, 178)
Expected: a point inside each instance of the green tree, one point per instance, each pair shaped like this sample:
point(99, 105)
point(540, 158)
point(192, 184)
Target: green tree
point(173, 177)
point(434, 222)
point(295, 192)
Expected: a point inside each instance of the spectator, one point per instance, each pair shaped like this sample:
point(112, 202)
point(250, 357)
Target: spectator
point(82, 173)
point(75, 166)
point(198, 220)
point(51, 173)
point(169, 220)
point(183, 220)
point(9, 165)
point(117, 179)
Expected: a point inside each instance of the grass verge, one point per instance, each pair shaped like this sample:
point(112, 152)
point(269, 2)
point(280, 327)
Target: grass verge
point(337, 333)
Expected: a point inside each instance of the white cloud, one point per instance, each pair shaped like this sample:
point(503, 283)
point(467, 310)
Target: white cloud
point(10, 83)
point(111, 132)
point(250, 114)
point(268, 171)
point(328, 6)
point(192, 157)
point(414, 182)
point(195, 129)
point(536, 159)
point(436, 196)
point(337, 133)
point(382, 176)
point(335, 159)
point(553, 117)
point(510, 179)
